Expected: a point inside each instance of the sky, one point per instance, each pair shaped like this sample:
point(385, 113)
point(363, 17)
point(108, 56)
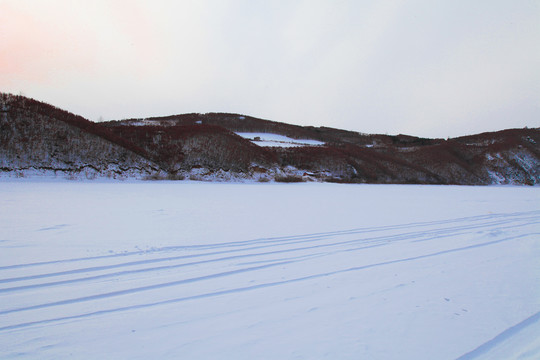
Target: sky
point(432, 68)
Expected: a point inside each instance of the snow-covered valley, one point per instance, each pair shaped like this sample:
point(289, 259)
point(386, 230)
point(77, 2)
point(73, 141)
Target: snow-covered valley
point(196, 270)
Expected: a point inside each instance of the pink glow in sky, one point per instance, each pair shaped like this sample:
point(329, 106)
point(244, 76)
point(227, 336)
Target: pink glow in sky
point(429, 68)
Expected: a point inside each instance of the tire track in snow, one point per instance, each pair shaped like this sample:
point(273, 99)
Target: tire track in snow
point(148, 261)
point(143, 288)
point(379, 241)
point(223, 292)
point(279, 239)
point(501, 338)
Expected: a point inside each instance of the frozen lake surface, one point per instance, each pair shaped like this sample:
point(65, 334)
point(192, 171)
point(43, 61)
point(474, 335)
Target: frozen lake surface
point(192, 270)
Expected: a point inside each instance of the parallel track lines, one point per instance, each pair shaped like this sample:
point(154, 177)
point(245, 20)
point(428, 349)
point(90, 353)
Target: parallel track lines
point(230, 260)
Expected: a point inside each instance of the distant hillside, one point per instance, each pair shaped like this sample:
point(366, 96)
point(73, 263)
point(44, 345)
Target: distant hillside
point(40, 138)
point(36, 138)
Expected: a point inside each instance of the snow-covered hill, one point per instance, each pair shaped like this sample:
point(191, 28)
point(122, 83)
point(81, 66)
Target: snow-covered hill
point(38, 139)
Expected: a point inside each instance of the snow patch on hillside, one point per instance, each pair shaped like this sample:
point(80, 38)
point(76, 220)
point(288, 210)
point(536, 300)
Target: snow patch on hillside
point(275, 140)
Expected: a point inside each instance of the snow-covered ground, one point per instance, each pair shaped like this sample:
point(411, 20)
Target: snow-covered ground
point(193, 270)
point(275, 140)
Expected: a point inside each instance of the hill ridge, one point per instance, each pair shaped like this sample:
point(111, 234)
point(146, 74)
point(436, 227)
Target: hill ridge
point(41, 139)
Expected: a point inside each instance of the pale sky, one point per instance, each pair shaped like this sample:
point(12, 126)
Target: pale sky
point(422, 67)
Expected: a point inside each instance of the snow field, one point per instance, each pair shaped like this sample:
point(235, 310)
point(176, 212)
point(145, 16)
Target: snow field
point(275, 140)
point(243, 271)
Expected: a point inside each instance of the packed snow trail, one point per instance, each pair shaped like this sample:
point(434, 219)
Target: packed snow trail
point(519, 342)
point(439, 287)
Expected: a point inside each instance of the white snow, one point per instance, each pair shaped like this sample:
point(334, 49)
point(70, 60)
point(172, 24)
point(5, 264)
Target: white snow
point(275, 140)
point(138, 270)
point(143, 122)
